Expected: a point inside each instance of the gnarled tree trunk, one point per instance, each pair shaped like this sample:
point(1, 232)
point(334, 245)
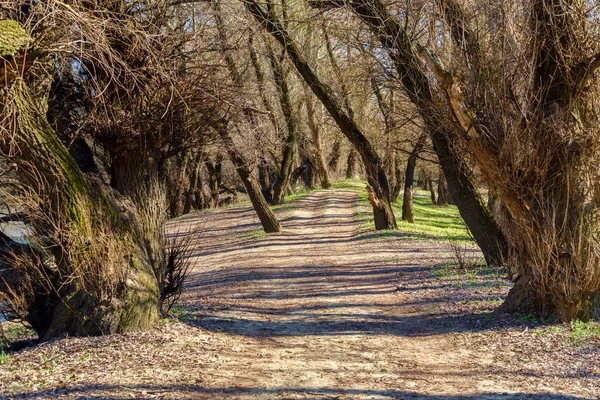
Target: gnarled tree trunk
point(104, 278)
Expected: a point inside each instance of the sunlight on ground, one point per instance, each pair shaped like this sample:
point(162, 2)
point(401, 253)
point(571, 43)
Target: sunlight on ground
point(431, 222)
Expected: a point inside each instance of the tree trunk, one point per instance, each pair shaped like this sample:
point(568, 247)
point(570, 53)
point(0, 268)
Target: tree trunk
point(104, 286)
point(352, 165)
point(264, 178)
point(289, 148)
point(443, 193)
point(431, 191)
point(423, 180)
point(268, 220)
point(335, 156)
point(382, 210)
point(407, 205)
point(175, 185)
point(398, 183)
point(214, 179)
point(320, 165)
point(409, 178)
point(194, 180)
point(464, 194)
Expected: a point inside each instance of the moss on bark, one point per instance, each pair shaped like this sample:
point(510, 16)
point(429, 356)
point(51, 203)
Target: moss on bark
point(13, 38)
point(101, 280)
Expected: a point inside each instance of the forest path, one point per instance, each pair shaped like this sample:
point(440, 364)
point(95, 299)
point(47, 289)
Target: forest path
point(323, 310)
point(319, 312)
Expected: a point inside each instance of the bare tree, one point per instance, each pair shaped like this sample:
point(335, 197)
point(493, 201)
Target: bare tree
point(379, 188)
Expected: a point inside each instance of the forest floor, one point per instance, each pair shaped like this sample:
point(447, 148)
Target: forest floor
point(323, 310)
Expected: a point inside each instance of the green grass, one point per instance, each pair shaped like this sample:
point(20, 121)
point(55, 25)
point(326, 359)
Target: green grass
point(4, 357)
point(12, 332)
point(582, 331)
point(432, 222)
point(350, 184)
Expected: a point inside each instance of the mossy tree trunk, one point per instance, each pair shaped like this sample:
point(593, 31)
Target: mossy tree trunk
point(100, 275)
point(104, 286)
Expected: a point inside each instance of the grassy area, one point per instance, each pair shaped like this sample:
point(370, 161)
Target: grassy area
point(431, 222)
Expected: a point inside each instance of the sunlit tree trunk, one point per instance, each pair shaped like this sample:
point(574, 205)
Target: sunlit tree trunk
point(269, 221)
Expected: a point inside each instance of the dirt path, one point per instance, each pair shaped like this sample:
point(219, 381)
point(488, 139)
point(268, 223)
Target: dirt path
point(319, 311)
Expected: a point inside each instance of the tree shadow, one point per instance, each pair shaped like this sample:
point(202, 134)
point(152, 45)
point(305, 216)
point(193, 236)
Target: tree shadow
point(201, 392)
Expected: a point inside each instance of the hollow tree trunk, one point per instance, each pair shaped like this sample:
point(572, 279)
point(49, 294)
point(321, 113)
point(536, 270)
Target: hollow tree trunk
point(376, 177)
point(268, 220)
point(115, 287)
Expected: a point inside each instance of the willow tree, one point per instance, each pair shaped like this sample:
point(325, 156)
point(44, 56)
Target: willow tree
point(113, 286)
point(519, 94)
point(526, 106)
point(97, 262)
point(394, 38)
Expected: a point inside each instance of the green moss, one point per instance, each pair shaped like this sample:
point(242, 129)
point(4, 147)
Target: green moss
point(140, 307)
point(12, 38)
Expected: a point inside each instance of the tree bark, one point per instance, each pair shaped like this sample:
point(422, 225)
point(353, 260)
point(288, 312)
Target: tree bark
point(382, 210)
point(407, 205)
point(269, 221)
point(443, 193)
point(472, 208)
point(194, 180)
point(397, 187)
point(109, 287)
point(431, 191)
point(289, 148)
point(409, 178)
point(214, 179)
point(320, 165)
point(352, 165)
point(335, 155)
